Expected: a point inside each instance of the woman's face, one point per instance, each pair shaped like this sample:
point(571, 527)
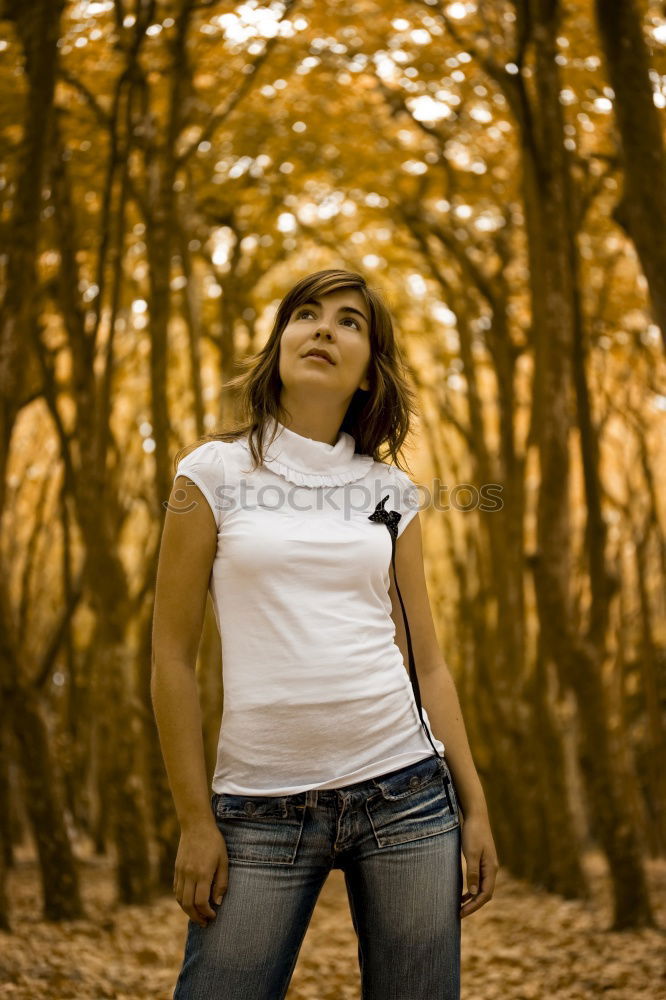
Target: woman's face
point(339, 324)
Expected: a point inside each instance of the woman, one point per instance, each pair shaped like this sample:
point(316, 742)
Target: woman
point(324, 760)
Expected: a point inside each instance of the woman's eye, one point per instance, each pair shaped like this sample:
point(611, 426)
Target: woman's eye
point(302, 312)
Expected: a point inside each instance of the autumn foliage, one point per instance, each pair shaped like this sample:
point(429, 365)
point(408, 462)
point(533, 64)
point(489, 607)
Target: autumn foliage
point(498, 170)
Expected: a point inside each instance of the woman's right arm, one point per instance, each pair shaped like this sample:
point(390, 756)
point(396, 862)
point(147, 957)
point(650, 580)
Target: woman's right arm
point(187, 552)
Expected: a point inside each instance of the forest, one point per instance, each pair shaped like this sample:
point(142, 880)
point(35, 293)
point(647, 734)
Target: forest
point(498, 169)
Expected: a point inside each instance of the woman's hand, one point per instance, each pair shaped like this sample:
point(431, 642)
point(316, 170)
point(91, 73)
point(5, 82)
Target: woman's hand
point(201, 862)
point(481, 861)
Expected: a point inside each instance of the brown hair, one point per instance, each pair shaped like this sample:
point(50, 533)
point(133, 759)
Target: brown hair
point(374, 417)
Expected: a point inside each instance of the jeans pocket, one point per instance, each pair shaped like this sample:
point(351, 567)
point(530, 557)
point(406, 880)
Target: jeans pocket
point(412, 804)
point(259, 829)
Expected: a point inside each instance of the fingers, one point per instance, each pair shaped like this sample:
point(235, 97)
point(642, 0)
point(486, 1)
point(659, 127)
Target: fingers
point(187, 902)
point(473, 877)
point(220, 883)
point(202, 902)
point(475, 899)
point(475, 903)
point(473, 864)
point(481, 878)
point(195, 894)
point(179, 887)
point(189, 895)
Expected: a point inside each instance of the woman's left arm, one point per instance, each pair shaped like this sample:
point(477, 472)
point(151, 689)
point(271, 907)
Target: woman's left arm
point(440, 699)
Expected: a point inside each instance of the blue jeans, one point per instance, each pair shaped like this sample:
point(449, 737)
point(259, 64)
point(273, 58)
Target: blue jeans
point(397, 839)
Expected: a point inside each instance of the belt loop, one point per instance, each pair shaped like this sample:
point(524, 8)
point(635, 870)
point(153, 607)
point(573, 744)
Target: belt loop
point(311, 797)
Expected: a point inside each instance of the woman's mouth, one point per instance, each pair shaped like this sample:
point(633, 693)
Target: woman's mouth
point(317, 357)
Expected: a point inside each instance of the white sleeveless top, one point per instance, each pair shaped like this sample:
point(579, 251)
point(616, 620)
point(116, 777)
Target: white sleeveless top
point(316, 692)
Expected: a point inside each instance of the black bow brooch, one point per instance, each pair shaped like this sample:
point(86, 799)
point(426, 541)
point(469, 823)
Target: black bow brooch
point(389, 517)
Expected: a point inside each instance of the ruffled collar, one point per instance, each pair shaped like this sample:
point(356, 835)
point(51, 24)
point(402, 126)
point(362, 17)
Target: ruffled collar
point(306, 462)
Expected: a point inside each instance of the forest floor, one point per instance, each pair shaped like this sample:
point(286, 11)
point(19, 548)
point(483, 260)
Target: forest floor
point(525, 944)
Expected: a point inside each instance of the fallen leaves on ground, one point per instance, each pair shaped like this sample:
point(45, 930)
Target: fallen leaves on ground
point(525, 944)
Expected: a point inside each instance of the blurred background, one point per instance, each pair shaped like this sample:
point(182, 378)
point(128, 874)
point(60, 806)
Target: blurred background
point(168, 169)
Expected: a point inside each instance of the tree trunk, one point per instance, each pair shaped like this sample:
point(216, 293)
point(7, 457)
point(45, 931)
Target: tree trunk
point(120, 726)
point(578, 662)
point(38, 28)
point(497, 609)
point(642, 210)
point(192, 315)
point(161, 233)
point(6, 844)
point(45, 808)
point(655, 736)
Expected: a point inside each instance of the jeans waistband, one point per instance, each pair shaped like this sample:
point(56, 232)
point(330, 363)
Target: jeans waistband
point(312, 795)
